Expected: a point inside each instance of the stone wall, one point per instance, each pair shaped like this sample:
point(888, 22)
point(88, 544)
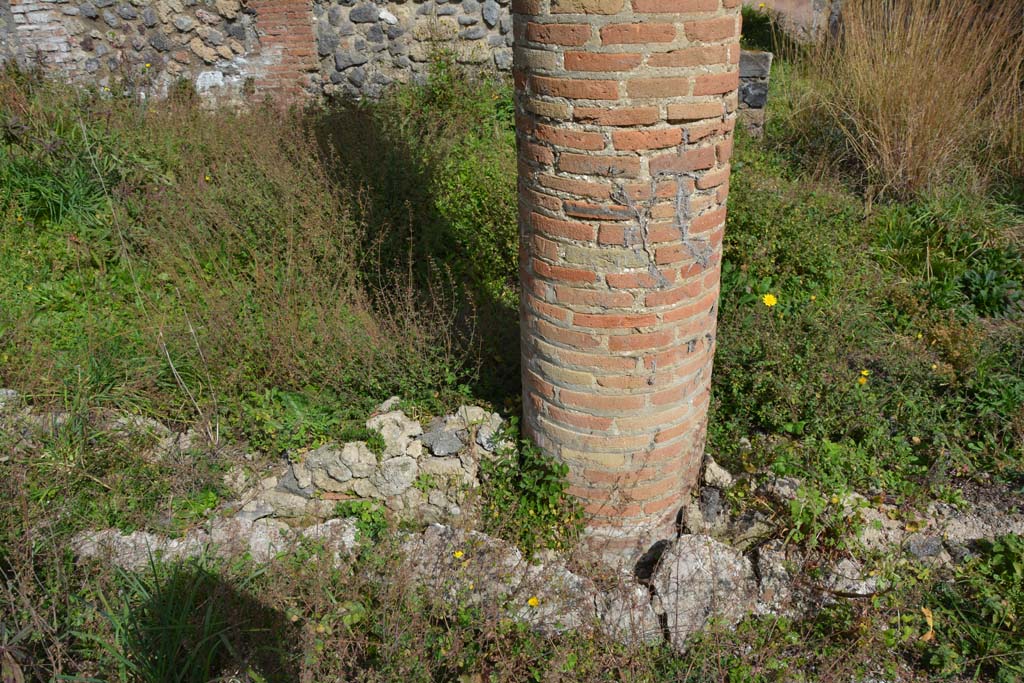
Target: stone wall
point(363, 47)
point(803, 18)
point(233, 51)
point(755, 70)
point(143, 47)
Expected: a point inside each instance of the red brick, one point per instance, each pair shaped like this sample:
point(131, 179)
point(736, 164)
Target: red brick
point(562, 273)
point(703, 55)
point(614, 320)
point(526, 6)
point(592, 297)
point(617, 479)
point(659, 87)
point(639, 33)
point(649, 491)
point(703, 306)
point(724, 150)
point(655, 507)
point(537, 385)
point(674, 6)
point(647, 139)
point(565, 336)
point(551, 311)
point(603, 165)
point(565, 229)
point(558, 34)
point(672, 253)
point(639, 341)
point(668, 297)
point(539, 154)
point(695, 111)
point(669, 433)
point(591, 361)
point(716, 84)
point(710, 30)
point(573, 88)
point(542, 200)
point(630, 116)
point(668, 396)
point(652, 421)
point(611, 234)
point(598, 212)
point(586, 6)
point(707, 221)
point(594, 61)
point(574, 139)
point(713, 178)
point(582, 188)
point(684, 161)
point(601, 402)
point(579, 420)
point(632, 280)
point(698, 131)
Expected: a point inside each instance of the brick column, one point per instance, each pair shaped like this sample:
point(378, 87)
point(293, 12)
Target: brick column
point(625, 116)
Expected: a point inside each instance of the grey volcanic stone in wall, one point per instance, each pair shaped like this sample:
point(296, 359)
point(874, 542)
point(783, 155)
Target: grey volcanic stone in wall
point(755, 70)
point(491, 13)
point(146, 46)
point(393, 41)
point(364, 14)
point(755, 64)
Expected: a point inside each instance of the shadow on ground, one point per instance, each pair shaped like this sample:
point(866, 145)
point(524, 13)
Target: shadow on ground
point(391, 181)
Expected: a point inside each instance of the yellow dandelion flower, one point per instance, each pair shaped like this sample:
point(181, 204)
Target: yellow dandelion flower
point(814, 297)
point(761, 6)
point(533, 602)
point(862, 381)
point(769, 300)
point(20, 218)
point(207, 178)
point(458, 554)
point(865, 373)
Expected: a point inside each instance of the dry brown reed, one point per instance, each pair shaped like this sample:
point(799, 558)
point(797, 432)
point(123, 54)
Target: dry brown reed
point(924, 93)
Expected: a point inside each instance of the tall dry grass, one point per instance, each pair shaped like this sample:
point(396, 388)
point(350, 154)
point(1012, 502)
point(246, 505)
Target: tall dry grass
point(923, 93)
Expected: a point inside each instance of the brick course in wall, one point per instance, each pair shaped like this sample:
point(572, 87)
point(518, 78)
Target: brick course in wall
point(285, 29)
point(625, 116)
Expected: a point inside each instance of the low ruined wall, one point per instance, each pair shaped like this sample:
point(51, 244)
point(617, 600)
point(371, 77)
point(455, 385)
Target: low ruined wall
point(233, 51)
point(804, 19)
point(141, 47)
point(364, 47)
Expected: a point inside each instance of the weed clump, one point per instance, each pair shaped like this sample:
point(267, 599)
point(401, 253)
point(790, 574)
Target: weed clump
point(918, 95)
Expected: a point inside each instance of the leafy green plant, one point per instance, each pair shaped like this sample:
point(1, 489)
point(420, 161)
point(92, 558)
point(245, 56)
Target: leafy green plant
point(165, 625)
point(12, 654)
point(525, 497)
point(979, 621)
point(373, 439)
point(283, 422)
point(371, 520)
point(820, 522)
point(425, 483)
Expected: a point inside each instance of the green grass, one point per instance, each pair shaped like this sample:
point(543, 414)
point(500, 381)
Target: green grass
point(272, 280)
point(856, 301)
